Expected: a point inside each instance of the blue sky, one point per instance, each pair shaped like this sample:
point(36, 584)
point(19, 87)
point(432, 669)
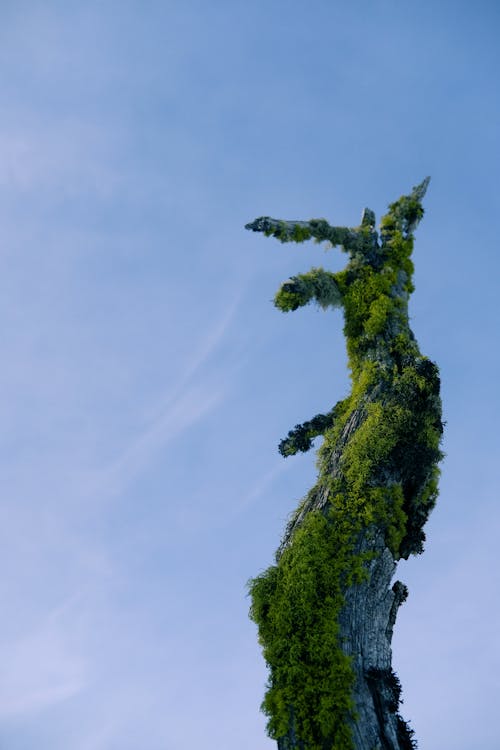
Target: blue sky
point(146, 378)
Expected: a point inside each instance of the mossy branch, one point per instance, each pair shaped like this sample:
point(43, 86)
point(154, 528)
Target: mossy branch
point(300, 231)
point(302, 436)
point(317, 285)
point(406, 213)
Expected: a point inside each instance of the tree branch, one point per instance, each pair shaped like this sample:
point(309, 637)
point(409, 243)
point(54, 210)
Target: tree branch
point(317, 284)
point(405, 213)
point(302, 435)
point(300, 231)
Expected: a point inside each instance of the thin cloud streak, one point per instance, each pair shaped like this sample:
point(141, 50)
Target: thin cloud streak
point(184, 406)
point(41, 668)
point(213, 339)
point(67, 157)
point(262, 486)
point(188, 409)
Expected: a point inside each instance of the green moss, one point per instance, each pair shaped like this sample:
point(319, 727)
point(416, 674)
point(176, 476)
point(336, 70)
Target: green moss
point(280, 232)
point(296, 605)
point(379, 315)
point(387, 504)
point(301, 233)
point(318, 285)
point(287, 300)
point(301, 437)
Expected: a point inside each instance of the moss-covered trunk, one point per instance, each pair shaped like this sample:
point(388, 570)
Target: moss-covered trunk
point(326, 609)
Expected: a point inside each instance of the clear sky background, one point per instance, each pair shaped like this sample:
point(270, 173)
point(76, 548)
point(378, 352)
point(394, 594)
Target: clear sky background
point(146, 378)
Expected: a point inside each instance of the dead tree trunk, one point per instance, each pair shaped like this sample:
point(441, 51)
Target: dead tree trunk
point(327, 609)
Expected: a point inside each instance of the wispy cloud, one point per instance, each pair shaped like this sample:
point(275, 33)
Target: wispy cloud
point(202, 354)
point(100, 738)
point(42, 667)
point(263, 485)
point(191, 405)
point(189, 400)
point(67, 156)
point(213, 338)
